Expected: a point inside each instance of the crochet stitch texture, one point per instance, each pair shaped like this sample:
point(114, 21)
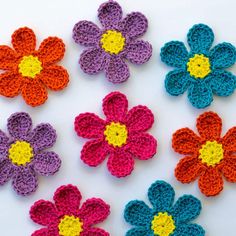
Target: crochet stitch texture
point(65, 217)
point(202, 70)
point(118, 40)
point(165, 219)
point(121, 136)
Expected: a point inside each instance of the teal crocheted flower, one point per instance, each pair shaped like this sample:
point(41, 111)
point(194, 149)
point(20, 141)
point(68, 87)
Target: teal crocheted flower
point(201, 70)
point(165, 219)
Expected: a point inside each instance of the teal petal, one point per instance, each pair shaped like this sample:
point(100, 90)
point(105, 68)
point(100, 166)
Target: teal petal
point(189, 230)
point(139, 231)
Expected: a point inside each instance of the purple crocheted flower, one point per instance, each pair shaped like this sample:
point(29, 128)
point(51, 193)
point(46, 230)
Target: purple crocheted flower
point(22, 155)
point(110, 46)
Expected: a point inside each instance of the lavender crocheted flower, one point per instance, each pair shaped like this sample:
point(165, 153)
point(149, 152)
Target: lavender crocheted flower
point(22, 155)
point(118, 40)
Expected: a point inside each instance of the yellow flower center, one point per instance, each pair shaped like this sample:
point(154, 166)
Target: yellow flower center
point(116, 134)
point(112, 42)
point(20, 153)
point(70, 226)
point(211, 153)
point(163, 224)
point(199, 66)
point(30, 66)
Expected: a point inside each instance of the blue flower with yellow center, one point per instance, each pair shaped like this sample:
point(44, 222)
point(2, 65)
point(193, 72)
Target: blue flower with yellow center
point(202, 70)
point(165, 219)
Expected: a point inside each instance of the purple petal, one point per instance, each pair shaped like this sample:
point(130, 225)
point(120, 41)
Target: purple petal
point(117, 71)
point(110, 14)
point(42, 137)
point(47, 163)
point(3, 144)
point(24, 181)
point(134, 25)
point(86, 33)
point(92, 60)
point(139, 52)
point(6, 170)
point(19, 125)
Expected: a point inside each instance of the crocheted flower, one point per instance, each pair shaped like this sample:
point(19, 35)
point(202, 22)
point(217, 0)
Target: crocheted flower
point(165, 219)
point(118, 40)
point(22, 154)
point(201, 71)
point(29, 71)
point(208, 156)
point(122, 135)
point(66, 218)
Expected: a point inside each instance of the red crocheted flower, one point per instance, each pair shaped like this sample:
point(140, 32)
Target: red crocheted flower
point(121, 136)
point(66, 218)
point(208, 156)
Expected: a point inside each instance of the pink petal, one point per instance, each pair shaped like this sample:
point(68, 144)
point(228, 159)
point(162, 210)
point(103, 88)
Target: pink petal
point(41, 232)
point(94, 232)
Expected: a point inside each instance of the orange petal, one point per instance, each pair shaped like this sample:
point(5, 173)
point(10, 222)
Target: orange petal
point(229, 140)
point(8, 58)
point(10, 84)
point(51, 50)
point(229, 168)
point(209, 126)
point(211, 182)
point(24, 41)
point(34, 93)
point(54, 77)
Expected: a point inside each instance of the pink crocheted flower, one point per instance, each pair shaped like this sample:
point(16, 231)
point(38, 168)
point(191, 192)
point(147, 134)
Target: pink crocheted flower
point(66, 218)
point(122, 135)
point(110, 46)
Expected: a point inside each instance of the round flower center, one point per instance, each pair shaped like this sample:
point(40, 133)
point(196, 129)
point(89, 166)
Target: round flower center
point(30, 66)
point(211, 153)
point(116, 134)
point(70, 226)
point(20, 153)
point(163, 224)
point(112, 42)
point(199, 66)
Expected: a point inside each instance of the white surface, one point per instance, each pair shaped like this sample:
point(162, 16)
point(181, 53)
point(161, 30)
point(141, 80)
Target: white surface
point(169, 19)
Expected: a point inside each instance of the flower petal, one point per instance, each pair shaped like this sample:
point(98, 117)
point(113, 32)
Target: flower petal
point(94, 232)
point(19, 125)
point(200, 95)
point(137, 213)
point(110, 14)
point(51, 50)
point(43, 136)
point(200, 38)
point(115, 106)
point(185, 141)
point(67, 199)
point(10, 84)
point(209, 126)
point(120, 163)
point(229, 168)
point(24, 41)
point(223, 83)
point(34, 93)
point(94, 211)
point(134, 25)
point(139, 231)
point(116, 70)
point(177, 82)
point(8, 58)
point(186, 208)
point(188, 169)
point(211, 182)
point(142, 145)
point(229, 140)
point(24, 181)
point(94, 152)
point(161, 195)
point(6, 171)
point(175, 54)
point(86, 33)
point(47, 163)
point(189, 229)
point(139, 52)
point(43, 212)
point(89, 125)
point(54, 77)
point(222, 56)
point(41, 232)
point(92, 60)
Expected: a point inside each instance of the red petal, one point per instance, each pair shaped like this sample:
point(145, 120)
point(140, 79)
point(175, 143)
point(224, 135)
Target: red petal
point(229, 140)
point(229, 168)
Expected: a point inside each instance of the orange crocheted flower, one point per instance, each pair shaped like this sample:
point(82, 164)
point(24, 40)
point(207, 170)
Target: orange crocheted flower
point(29, 71)
point(209, 156)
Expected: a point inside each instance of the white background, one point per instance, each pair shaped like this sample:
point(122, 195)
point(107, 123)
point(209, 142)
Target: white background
point(168, 20)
